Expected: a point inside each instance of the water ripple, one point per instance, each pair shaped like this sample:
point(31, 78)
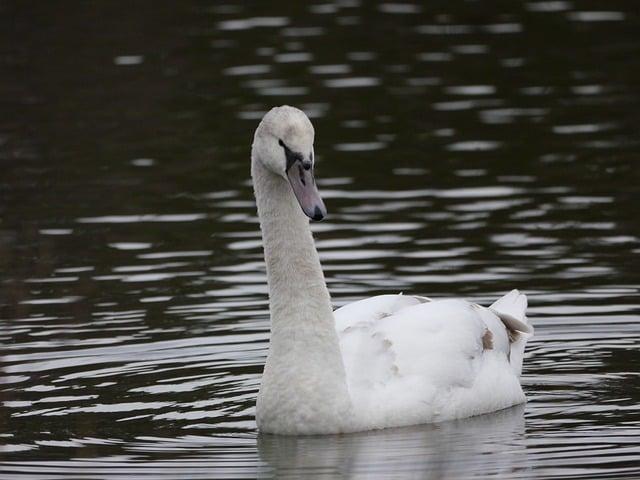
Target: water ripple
point(460, 153)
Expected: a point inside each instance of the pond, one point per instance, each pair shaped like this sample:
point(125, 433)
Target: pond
point(463, 149)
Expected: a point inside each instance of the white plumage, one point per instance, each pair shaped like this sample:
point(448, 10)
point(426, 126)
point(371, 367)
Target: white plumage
point(412, 360)
point(386, 361)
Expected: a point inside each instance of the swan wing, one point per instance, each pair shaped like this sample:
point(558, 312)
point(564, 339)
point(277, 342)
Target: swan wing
point(369, 310)
point(401, 337)
point(410, 360)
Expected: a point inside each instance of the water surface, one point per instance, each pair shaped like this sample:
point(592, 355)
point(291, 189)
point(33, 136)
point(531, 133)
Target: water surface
point(463, 150)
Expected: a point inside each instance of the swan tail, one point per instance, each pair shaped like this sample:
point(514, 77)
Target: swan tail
point(511, 309)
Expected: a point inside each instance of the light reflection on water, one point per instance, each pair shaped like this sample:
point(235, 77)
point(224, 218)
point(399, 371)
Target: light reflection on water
point(461, 153)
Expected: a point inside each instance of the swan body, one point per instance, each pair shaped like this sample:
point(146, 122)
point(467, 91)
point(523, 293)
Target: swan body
point(386, 361)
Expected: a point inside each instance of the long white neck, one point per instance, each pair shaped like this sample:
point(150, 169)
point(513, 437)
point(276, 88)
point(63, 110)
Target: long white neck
point(293, 268)
point(304, 385)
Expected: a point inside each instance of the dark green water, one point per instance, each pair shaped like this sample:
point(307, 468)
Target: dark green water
point(464, 149)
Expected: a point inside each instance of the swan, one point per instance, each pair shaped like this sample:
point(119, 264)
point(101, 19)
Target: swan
point(385, 361)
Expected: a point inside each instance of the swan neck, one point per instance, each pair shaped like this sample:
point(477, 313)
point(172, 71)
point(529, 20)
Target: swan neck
point(304, 385)
point(294, 273)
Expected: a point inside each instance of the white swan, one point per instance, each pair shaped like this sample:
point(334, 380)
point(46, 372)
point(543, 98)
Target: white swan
point(386, 361)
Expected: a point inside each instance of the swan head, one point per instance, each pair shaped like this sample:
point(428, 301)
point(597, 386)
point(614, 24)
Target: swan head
point(283, 143)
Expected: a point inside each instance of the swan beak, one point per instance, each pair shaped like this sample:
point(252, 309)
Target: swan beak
point(300, 175)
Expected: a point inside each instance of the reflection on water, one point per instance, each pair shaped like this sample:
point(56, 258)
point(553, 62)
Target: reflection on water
point(461, 152)
point(445, 450)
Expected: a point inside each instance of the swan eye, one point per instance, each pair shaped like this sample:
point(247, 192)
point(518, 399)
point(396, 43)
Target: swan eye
point(291, 156)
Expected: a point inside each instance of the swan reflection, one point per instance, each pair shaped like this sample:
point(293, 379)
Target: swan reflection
point(491, 445)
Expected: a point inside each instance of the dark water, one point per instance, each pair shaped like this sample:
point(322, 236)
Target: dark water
point(464, 149)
